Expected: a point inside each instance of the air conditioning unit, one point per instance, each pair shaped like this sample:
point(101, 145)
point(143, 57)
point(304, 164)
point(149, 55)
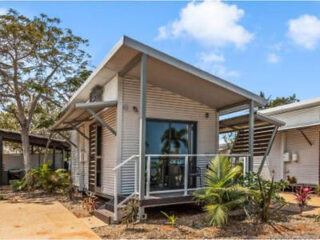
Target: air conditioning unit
point(295, 157)
point(286, 157)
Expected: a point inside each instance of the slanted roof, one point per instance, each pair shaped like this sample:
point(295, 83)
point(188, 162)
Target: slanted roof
point(166, 72)
point(242, 122)
point(36, 140)
point(302, 114)
point(292, 106)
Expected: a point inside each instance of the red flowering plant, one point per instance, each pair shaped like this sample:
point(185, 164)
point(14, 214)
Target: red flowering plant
point(302, 195)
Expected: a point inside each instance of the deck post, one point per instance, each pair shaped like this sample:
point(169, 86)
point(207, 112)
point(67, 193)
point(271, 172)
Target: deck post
point(251, 135)
point(148, 176)
point(142, 131)
point(186, 166)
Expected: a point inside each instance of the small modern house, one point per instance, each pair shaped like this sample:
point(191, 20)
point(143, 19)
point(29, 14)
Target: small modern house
point(295, 151)
point(289, 147)
point(146, 124)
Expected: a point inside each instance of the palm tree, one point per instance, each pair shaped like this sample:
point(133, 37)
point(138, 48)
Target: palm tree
point(222, 193)
point(175, 137)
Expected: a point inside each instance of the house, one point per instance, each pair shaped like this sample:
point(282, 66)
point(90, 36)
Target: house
point(291, 146)
point(295, 151)
point(11, 163)
point(147, 124)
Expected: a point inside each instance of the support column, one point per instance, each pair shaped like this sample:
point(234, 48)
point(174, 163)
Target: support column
point(251, 135)
point(142, 130)
point(53, 164)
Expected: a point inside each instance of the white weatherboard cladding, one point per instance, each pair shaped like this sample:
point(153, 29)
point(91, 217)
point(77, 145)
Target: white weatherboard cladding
point(74, 159)
point(110, 90)
point(306, 169)
point(162, 104)
point(109, 151)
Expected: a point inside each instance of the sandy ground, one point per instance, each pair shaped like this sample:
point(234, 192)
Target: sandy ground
point(313, 207)
point(41, 220)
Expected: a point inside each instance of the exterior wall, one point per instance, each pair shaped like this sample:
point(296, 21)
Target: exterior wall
point(306, 169)
point(15, 161)
point(80, 155)
point(161, 104)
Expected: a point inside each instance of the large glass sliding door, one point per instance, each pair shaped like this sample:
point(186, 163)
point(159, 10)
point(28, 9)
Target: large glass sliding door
point(169, 137)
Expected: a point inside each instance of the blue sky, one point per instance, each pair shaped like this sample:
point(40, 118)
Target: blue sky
point(268, 46)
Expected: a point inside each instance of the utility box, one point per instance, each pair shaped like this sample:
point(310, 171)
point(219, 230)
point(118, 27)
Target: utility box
point(286, 157)
point(295, 157)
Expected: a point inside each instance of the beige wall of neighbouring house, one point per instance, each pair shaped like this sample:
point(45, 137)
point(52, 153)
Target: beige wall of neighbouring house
point(306, 169)
point(15, 161)
point(162, 104)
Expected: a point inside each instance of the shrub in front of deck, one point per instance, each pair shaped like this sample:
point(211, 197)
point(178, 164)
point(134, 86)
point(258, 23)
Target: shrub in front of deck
point(222, 193)
point(264, 200)
point(43, 178)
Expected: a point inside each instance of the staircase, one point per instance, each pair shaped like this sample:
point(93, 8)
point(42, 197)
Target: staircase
point(262, 136)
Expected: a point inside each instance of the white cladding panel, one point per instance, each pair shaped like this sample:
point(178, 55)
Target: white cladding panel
point(161, 104)
point(306, 169)
point(110, 90)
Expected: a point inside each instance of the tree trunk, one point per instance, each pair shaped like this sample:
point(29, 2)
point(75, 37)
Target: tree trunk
point(26, 149)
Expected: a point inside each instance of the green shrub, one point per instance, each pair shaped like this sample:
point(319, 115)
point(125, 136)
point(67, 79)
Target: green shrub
point(43, 178)
point(222, 193)
point(264, 198)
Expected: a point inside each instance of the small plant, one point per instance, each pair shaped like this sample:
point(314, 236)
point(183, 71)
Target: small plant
point(43, 178)
point(89, 203)
point(283, 184)
point(264, 195)
point(302, 196)
point(2, 197)
point(172, 218)
point(292, 180)
point(130, 212)
point(222, 193)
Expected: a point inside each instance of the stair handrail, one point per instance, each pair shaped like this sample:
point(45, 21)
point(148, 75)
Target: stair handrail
point(124, 162)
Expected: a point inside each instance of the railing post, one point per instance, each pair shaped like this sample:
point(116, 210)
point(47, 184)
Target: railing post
point(148, 176)
point(244, 166)
point(186, 166)
point(136, 176)
point(115, 200)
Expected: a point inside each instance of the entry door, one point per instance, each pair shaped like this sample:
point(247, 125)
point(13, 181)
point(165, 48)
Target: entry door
point(169, 137)
point(95, 157)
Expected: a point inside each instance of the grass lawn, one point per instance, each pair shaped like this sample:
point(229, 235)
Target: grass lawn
point(192, 222)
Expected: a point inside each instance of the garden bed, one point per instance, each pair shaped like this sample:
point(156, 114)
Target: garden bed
point(192, 222)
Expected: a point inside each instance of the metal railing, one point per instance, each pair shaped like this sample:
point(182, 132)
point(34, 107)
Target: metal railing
point(200, 161)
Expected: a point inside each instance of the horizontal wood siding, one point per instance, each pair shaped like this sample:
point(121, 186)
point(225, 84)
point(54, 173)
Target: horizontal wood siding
point(162, 104)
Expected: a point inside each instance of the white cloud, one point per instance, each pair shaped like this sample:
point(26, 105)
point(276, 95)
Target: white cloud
point(212, 23)
point(213, 62)
point(211, 57)
point(273, 58)
point(3, 11)
point(305, 31)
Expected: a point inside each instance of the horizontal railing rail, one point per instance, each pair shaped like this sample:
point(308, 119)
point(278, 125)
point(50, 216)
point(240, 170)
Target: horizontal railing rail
point(184, 188)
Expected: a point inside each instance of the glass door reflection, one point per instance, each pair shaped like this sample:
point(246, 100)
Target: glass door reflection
point(169, 137)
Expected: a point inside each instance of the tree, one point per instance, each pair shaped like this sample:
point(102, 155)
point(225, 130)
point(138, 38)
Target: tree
point(36, 57)
point(278, 101)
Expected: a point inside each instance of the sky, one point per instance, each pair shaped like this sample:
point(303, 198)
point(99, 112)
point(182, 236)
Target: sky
point(272, 47)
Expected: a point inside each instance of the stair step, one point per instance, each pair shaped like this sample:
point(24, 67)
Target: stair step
point(104, 215)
